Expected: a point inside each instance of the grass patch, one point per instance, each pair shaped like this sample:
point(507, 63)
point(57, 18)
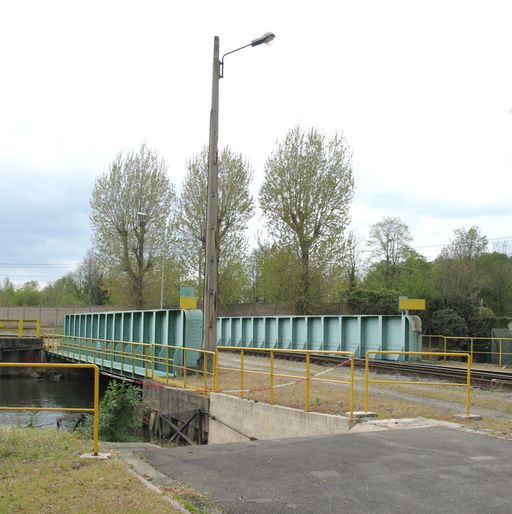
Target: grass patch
point(41, 472)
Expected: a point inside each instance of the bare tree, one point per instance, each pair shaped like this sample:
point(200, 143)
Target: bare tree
point(388, 242)
point(235, 210)
point(131, 205)
point(305, 197)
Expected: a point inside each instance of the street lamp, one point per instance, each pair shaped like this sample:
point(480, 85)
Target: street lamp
point(210, 273)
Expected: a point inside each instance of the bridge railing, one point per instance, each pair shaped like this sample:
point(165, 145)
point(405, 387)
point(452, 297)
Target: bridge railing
point(467, 385)
point(94, 410)
point(491, 350)
point(307, 378)
point(174, 365)
point(20, 327)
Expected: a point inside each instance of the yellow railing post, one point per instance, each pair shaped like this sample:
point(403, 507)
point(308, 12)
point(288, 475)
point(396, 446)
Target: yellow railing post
point(444, 346)
point(241, 374)
point(96, 408)
point(20, 328)
point(216, 371)
point(471, 347)
point(468, 392)
point(501, 351)
point(167, 364)
point(308, 381)
point(271, 378)
point(351, 393)
point(184, 368)
point(205, 376)
point(366, 379)
point(38, 328)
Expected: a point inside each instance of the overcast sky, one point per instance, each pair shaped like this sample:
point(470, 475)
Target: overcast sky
point(421, 89)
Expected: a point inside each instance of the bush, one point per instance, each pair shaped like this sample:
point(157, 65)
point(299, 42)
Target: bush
point(119, 412)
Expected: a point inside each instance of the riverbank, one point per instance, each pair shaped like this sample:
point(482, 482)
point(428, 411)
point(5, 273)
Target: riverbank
point(42, 472)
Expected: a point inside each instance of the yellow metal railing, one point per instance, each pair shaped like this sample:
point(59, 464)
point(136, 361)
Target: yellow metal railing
point(467, 385)
point(307, 378)
point(94, 410)
point(19, 328)
point(472, 345)
point(138, 359)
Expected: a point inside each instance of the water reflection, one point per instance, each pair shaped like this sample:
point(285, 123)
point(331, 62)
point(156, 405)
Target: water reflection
point(30, 392)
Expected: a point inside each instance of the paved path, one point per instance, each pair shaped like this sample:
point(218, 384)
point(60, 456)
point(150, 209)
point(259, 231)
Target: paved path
point(429, 470)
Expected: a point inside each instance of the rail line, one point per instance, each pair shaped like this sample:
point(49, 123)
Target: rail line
point(481, 378)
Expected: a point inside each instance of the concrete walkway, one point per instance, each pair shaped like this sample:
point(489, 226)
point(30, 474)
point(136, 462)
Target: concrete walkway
point(428, 470)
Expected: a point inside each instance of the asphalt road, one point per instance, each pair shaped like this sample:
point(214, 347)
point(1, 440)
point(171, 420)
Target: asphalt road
point(428, 470)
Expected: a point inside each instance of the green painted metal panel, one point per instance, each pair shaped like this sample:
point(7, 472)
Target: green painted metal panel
point(357, 334)
point(164, 327)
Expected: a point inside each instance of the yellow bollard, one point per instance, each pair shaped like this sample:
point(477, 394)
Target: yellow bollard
point(308, 381)
point(271, 378)
point(20, 328)
point(366, 377)
point(241, 395)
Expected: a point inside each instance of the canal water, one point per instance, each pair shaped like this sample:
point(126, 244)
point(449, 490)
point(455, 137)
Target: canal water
point(32, 392)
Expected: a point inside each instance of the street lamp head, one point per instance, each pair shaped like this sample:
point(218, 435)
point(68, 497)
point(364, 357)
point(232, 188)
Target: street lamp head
point(267, 38)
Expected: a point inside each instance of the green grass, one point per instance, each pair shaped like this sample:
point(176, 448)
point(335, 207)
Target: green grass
point(41, 472)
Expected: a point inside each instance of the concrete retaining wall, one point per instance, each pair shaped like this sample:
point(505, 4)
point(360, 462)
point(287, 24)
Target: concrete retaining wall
point(264, 421)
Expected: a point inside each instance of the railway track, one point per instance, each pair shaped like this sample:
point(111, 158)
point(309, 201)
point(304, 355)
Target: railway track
point(481, 378)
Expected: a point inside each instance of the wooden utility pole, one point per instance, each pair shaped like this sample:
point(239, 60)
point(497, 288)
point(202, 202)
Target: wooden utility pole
point(211, 257)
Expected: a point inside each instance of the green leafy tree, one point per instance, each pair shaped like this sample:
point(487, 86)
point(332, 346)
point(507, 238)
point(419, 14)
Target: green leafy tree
point(305, 198)
point(64, 291)
point(236, 208)
point(28, 294)
point(131, 207)
point(495, 272)
point(7, 291)
point(456, 272)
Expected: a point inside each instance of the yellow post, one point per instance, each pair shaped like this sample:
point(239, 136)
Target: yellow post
point(308, 381)
point(145, 361)
point(96, 408)
point(501, 351)
point(216, 371)
point(471, 347)
point(38, 328)
point(153, 361)
point(241, 374)
point(184, 368)
point(351, 393)
point(20, 328)
point(205, 377)
point(167, 364)
point(468, 392)
point(112, 344)
point(366, 379)
point(271, 378)
point(103, 353)
point(133, 360)
point(444, 346)
point(122, 357)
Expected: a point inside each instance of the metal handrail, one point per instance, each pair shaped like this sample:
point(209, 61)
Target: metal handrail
point(438, 354)
point(307, 378)
point(94, 410)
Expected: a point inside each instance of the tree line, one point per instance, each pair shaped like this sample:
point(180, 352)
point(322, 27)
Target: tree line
point(307, 257)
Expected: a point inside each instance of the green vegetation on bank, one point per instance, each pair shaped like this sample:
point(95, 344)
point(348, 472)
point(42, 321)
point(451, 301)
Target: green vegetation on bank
point(41, 472)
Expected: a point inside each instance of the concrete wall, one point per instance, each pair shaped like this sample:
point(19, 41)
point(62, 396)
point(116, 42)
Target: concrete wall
point(264, 421)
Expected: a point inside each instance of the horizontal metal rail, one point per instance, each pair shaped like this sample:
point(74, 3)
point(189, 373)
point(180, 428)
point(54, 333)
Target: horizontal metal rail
point(450, 384)
point(307, 378)
point(131, 359)
point(94, 410)
point(19, 328)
